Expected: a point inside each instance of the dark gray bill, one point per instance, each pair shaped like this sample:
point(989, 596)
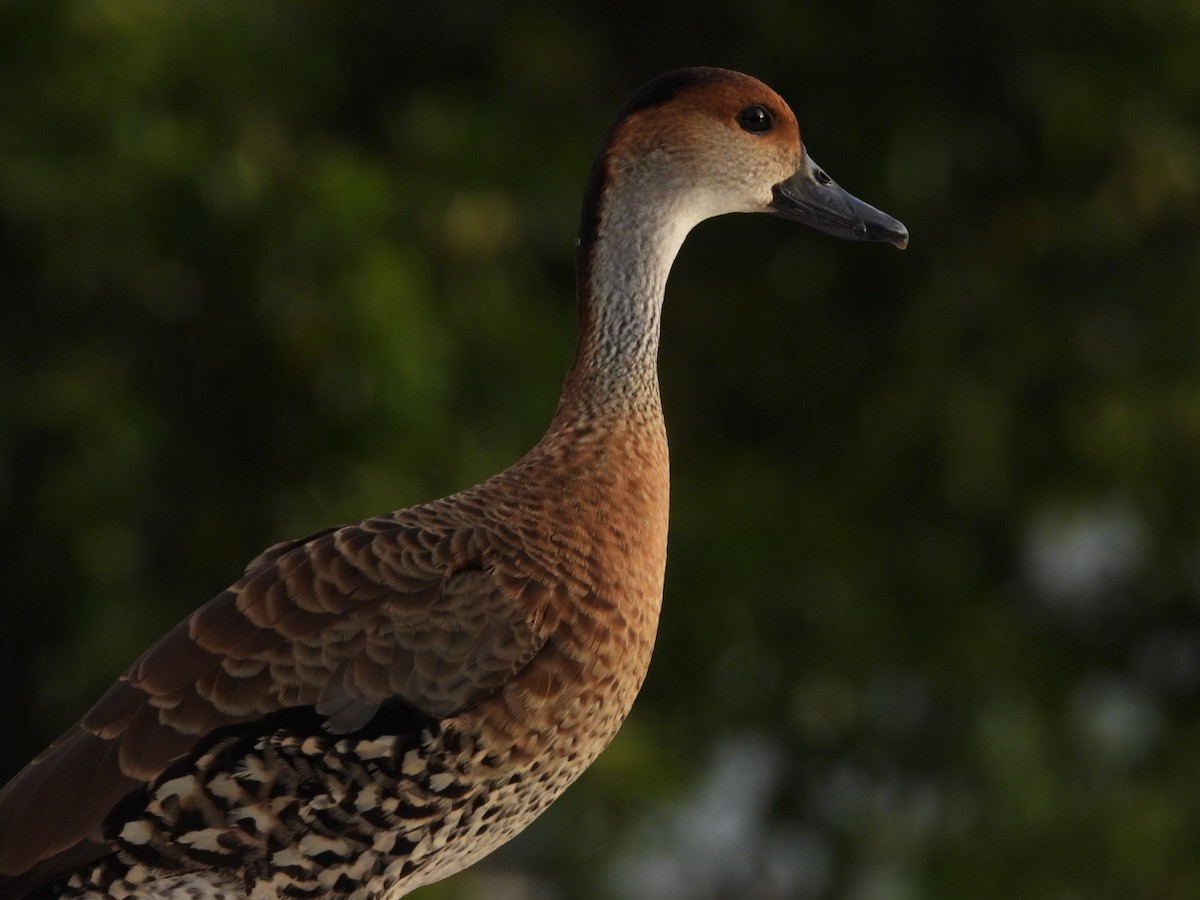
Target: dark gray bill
point(812, 197)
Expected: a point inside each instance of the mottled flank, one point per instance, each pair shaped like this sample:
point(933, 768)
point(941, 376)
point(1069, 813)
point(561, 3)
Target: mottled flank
point(296, 814)
point(379, 705)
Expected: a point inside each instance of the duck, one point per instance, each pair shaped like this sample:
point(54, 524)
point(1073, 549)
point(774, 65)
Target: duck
point(376, 706)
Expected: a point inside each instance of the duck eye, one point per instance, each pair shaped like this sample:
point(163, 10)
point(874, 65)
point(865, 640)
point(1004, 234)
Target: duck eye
point(756, 119)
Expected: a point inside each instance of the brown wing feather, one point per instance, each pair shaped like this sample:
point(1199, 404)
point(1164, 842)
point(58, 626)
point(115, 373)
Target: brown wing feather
point(343, 622)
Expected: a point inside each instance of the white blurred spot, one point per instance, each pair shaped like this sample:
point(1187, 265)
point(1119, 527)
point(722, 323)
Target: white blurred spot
point(1078, 557)
point(719, 843)
point(1118, 722)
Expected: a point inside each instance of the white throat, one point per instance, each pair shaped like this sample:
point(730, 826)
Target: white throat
point(637, 239)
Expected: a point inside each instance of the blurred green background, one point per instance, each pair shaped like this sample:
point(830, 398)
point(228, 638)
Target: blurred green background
point(932, 625)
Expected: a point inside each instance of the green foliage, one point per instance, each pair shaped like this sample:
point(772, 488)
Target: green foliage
point(931, 626)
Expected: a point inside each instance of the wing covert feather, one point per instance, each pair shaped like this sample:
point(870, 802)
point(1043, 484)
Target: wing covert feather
point(343, 622)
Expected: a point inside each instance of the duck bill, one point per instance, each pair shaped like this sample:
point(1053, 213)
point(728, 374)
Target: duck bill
point(812, 197)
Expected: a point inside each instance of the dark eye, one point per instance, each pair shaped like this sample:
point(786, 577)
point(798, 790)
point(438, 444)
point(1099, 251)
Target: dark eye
point(756, 119)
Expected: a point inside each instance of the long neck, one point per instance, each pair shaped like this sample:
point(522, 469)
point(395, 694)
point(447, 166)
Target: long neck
point(626, 246)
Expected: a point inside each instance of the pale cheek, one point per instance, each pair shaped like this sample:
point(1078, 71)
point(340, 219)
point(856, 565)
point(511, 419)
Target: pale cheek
point(762, 202)
point(741, 199)
point(745, 191)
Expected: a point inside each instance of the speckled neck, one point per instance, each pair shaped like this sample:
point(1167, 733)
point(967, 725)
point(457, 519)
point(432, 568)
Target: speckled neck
point(628, 240)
